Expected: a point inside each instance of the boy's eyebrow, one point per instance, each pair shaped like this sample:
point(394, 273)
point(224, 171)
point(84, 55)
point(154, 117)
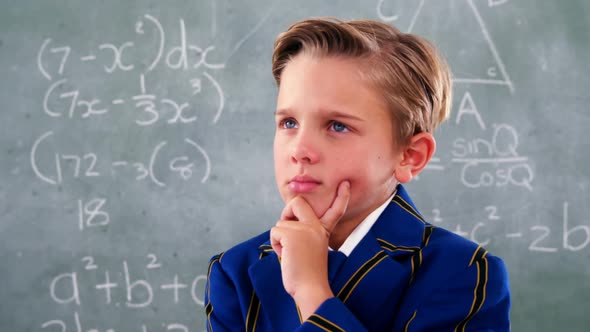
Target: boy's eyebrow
point(281, 112)
point(336, 114)
point(330, 114)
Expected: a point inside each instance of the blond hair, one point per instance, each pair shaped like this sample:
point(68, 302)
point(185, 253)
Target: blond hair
point(408, 71)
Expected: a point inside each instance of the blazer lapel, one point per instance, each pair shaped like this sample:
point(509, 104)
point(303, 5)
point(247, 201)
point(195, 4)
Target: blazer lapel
point(276, 305)
point(377, 272)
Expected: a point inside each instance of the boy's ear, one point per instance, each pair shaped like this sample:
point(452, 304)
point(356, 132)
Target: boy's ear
point(415, 156)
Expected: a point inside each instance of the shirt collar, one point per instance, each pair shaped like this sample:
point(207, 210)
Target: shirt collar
point(363, 228)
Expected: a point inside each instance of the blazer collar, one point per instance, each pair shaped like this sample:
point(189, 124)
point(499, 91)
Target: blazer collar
point(400, 229)
point(377, 272)
point(399, 234)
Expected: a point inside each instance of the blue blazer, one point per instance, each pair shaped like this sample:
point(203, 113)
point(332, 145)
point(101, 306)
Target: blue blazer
point(404, 275)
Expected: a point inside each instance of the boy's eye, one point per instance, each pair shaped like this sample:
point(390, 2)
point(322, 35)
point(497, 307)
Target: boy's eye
point(338, 126)
point(289, 124)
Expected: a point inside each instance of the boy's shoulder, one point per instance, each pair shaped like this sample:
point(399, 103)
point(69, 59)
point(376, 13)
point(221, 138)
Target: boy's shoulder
point(435, 254)
point(242, 255)
point(402, 226)
point(445, 243)
point(453, 257)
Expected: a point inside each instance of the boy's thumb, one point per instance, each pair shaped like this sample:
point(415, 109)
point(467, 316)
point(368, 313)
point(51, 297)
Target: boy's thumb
point(338, 207)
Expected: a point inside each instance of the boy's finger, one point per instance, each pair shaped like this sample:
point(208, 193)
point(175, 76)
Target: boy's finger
point(303, 211)
point(276, 236)
point(338, 207)
point(287, 213)
point(298, 209)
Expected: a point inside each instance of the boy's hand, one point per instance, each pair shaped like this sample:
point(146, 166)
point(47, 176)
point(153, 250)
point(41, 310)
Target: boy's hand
point(300, 238)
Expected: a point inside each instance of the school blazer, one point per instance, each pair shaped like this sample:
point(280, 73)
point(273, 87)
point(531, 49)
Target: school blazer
point(404, 275)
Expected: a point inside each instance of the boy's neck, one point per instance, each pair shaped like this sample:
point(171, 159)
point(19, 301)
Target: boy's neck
point(341, 232)
point(345, 227)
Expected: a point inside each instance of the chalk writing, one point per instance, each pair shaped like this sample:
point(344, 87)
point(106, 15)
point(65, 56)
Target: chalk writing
point(86, 164)
point(185, 56)
point(93, 283)
point(489, 162)
point(60, 325)
point(92, 213)
point(72, 104)
point(573, 238)
point(53, 61)
point(139, 293)
point(497, 75)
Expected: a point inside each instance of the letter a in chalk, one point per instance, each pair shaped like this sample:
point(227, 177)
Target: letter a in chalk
point(468, 107)
point(73, 285)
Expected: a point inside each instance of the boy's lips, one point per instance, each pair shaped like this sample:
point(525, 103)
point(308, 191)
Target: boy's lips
point(303, 184)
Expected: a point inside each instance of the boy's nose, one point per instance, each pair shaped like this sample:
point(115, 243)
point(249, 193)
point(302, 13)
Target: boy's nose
point(305, 149)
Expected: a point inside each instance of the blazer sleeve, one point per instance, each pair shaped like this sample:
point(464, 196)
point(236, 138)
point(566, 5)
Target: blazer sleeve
point(222, 305)
point(332, 316)
point(476, 299)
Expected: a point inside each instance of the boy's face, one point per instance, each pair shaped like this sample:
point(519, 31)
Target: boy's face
point(332, 126)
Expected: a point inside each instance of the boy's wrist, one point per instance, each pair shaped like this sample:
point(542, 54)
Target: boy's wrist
point(309, 299)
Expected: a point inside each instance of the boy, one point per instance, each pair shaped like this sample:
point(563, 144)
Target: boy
point(357, 104)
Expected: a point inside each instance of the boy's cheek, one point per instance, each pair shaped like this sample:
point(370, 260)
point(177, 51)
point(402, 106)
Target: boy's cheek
point(323, 201)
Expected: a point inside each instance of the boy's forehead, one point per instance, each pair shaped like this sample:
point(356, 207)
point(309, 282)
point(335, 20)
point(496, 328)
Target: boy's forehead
point(326, 83)
point(353, 108)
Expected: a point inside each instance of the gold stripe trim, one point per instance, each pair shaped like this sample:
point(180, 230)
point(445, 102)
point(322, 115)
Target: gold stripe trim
point(416, 262)
point(417, 257)
point(318, 325)
point(323, 322)
point(479, 292)
point(428, 230)
point(409, 208)
point(209, 319)
point(410, 320)
point(254, 302)
point(392, 247)
point(351, 284)
point(251, 320)
point(208, 299)
point(480, 251)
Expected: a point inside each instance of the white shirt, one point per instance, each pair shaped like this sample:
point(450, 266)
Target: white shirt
point(363, 228)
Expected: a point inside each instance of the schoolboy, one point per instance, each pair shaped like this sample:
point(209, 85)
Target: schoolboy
point(357, 104)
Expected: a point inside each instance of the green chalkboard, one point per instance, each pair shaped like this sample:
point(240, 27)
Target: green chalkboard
point(136, 142)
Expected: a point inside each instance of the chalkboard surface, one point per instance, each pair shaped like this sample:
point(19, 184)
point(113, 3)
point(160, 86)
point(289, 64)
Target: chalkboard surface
point(136, 139)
